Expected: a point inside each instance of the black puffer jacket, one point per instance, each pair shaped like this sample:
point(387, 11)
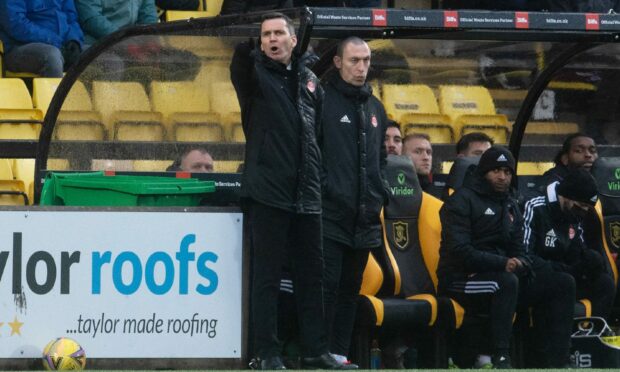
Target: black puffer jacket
point(481, 229)
point(280, 112)
point(354, 158)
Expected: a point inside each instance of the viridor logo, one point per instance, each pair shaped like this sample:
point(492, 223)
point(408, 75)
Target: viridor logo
point(615, 185)
point(403, 189)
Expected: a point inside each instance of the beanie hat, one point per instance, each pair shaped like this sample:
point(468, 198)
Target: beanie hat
point(496, 157)
point(578, 185)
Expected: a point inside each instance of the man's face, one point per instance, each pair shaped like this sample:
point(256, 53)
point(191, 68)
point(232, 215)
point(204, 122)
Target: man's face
point(582, 153)
point(573, 208)
point(354, 63)
point(276, 41)
point(421, 153)
point(499, 178)
point(476, 148)
point(197, 162)
point(393, 141)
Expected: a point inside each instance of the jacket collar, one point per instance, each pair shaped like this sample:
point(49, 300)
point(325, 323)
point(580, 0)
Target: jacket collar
point(553, 202)
point(480, 185)
point(275, 65)
point(359, 93)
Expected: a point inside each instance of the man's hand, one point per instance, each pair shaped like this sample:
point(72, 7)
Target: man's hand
point(71, 51)
point(513, 265)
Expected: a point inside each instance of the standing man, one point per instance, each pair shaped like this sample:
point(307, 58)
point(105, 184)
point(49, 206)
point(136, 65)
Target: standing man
point(393, 139)
point(473, 144)
point(354, 190)
point(418, 147)
point(484, 266)
point(281, 187)
point(553, 230)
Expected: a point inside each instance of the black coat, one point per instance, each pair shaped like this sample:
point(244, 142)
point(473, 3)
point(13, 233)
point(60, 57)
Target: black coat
point(280, 114)
point(481, 229)
point(354, 158)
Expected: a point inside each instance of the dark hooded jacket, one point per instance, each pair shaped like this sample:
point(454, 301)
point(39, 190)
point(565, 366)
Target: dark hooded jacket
point(481, 229)
point(280, 114)
point(354, 158)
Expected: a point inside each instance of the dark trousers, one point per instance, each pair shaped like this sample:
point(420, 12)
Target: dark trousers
point(344, 269)
point(551, 298)
point(493, 294)
point(275, 234)
point(601, 291)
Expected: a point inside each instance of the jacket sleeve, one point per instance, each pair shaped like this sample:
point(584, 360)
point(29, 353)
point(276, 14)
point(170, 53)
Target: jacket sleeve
point(92, 19)
point(383, 156)
point(456, 222)
point(75, 31)
point(148, 13)
point(19, 27)
point(241, 76)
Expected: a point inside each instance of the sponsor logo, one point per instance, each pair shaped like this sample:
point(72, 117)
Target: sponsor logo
point(592, 21)
point(582, 360)
point(345, 119)
point(379, 17)
point(402, 189)
point(489, 212)
point(614, 233)
point(401, 234)
point(550, 239)
point(401, 178)
point(617, 173)
point(501, 158)
point(450, 18)
point(522, 20)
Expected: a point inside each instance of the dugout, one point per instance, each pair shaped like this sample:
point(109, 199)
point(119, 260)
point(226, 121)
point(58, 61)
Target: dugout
point(143, 95)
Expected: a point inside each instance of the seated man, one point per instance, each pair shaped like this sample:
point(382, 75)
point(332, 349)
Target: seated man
point(578, 151)
point(473, 144)
point(195, 160)
point(483, 263)
point(418, 148)
point(553, 230)
point(393, 138)
point(40, 37)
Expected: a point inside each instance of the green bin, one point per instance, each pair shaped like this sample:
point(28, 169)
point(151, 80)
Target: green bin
point(97, 189)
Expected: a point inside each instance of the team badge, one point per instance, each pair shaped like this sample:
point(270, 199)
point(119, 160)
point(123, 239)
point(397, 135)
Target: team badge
point(311, 87)
point(401, 234)
point(614, 232)
point(571, 232)
point(373, 121)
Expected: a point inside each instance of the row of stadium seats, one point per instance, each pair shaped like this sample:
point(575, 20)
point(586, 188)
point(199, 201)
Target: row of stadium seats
point(16, 181)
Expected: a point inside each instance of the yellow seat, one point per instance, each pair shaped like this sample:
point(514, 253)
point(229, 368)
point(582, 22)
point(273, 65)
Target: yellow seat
point(126, 111)
point(13, 192)
point(18, 118)
point(224, 102)
point(23, 169)
point(77, 120)
point(58, 164)
point(179, 15)
point(471, 108)
point(151, 165)
point(212, 72)
point(185, 108)
point(544, 132)
point(226, 166)
point(532, 168)
point(414, 106)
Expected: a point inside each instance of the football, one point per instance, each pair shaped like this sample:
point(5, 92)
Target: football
point(63, 354)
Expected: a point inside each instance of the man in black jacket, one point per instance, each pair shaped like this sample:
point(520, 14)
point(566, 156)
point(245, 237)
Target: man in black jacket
point(578, 151)
point(354, 191)
point(280, 101)
point(553, 230)
point(484, 266)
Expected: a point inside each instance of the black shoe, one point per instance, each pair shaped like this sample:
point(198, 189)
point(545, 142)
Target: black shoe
point(271, 363)
point(325, 361)
point(501, 362)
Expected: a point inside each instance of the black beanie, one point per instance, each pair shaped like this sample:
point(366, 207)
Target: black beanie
point(578, 185)
point(496, 157)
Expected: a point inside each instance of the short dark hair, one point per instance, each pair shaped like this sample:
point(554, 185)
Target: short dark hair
point(566, 145)
point(276, 15)
point(350, 40)
point(393, 124)
point(468, 138)
point(176, 164)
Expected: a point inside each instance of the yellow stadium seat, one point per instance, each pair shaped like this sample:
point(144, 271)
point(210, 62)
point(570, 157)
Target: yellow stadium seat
point(544, 131)
point(185, 108)
point(23, 169)
point(471, 108)
point(226, 166)
point(212, 72)
point(13, 192)
point(6, 169)
point(179, 15)
point(414, 106)
point(58, 164)
point(224, 98)
point(532, 168)
point(151, 165)
point(76, 120)
point(126, 111)
point(112, 165)
point(18, 118)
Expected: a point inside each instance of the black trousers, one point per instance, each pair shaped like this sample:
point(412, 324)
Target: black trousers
point(275, 234)
point(601, 291)
point(344, 270)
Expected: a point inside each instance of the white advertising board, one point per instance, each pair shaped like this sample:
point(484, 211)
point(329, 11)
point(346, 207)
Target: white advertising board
point(122, 284)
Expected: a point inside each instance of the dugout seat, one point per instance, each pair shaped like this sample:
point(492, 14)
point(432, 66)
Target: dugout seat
point(414, 106)
point(471, 109)
point(18, 118)
point(126, 112)
point(185, 109)
point(399, 286)
point(224, 102)
point(77, 121)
